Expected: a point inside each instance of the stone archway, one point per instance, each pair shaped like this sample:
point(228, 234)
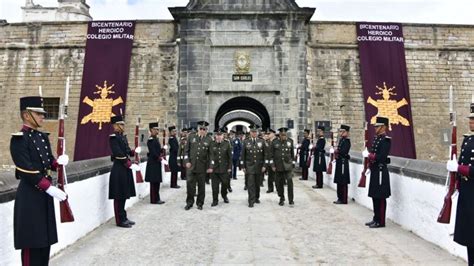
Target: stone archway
point(242, 109)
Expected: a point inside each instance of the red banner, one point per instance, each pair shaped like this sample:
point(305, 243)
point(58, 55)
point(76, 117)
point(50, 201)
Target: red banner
point(104, 85)
point(385, 82)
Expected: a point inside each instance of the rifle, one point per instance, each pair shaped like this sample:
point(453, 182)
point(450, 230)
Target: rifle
point(363, 178)
point(138, 173)
point(163, 150)
point(444, 216)
point(64, 208)
point(329, 170)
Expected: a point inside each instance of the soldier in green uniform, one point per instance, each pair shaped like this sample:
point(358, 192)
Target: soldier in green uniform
point(283, 163)
point(221, 161)
point(198, 164)
point(269, 138)
point(253, 164)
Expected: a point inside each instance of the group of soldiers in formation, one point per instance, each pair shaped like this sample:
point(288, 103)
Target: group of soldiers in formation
point(199, 156)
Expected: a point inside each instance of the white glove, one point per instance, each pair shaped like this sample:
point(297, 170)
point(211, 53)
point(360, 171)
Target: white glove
point(367, 173)
point(135, 167)
point(331, 150)
point(165, 147)
point(138, 149)
point(452, 165)
point(164, 161)
point(365, 153)
point(310, 146)
point(63, 159)
point(299, 145)
point(56, 193)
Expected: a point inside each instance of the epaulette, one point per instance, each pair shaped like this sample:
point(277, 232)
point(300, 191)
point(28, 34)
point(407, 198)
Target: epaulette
point(469, 134)
point(17, 134)
point(387, 137)
point(150, 138)
point(112, 135)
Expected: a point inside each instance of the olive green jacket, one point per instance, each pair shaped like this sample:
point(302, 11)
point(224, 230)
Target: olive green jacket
point(283, 155)
point(253, 157)
point(221, 157)
point(198, 153)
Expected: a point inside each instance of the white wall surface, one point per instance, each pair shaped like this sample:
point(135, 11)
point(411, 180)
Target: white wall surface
point(91, 208)
point(414, 205)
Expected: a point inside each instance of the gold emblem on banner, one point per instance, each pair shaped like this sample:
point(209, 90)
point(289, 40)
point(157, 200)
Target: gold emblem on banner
point(388, 107)
point(101, 107)
point(242, 62)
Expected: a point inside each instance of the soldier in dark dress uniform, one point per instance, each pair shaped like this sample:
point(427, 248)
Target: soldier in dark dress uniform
point(198, 165)
point(270, 137)
point(153, 165)
point(379, 187)
point(464, 227)
point(221, 161)
point(182, 145)
point(304, 153)
point(342, 175)
point(34, 222)
point(121, 184)
point(173, 159)
point(253, 164)
point(236, 151)
point(283, 164)
point(319, 157)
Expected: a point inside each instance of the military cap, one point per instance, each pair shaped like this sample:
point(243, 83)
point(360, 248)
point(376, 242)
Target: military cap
point(345, 127)
point(283, 130)
point(381, 121)
point(220, 131)
point(171, 128)
point(153, 125)
point(118, 119)
point(32, 103)
point(253, 127)
point(203, 124)
point(321, 128)
point(269, 130)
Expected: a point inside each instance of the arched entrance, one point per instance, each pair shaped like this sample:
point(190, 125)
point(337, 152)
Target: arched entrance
point(240, 112)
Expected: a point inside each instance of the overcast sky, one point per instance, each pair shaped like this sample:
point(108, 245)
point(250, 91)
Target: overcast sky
point(418, 11)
